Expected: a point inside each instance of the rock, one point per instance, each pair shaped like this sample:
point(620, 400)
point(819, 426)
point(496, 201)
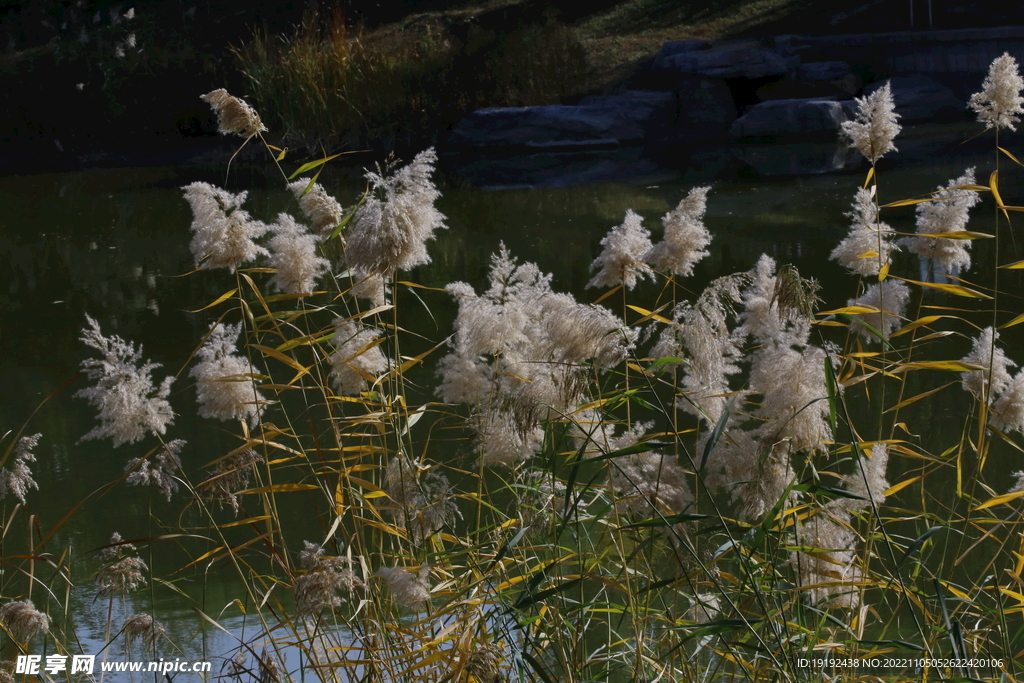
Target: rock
point(705, 105)
point(790, 117)
point(919, 98)
point(728, 60)
point(550, 128)
point(652, 108)
point(822, 71)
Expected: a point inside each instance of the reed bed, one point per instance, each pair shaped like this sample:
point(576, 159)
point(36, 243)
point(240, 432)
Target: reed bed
point(673, 490)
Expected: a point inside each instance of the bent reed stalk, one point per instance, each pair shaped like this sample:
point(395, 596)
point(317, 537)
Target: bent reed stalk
point(718, 516)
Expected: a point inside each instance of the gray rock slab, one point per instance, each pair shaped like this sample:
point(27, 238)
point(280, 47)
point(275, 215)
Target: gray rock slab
point(790, 117)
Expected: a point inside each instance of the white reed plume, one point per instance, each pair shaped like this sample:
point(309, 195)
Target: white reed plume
point(23, 620)
point(1008, 410)
point(1000, 100)
point(390, 230)
point(123, 573)
point(870, 484)
point(792, 385)
point(408, 589)
point(293, 254)
point(17, 479)
point(322, 210)
point(829, 572)
point(686, 238)
point(144, 627)
point(621, 261)
point(700, 332)
point(130, 406)
point(223, 232)
point(704, 607)
point(647, 483)
point(324, 581)
point(866, 248)
point(357, 360)
point(875, 126)
point(373, 288)
point(160, 471)
point(234, 116)
point(423, 499)
point(230, 476)
point(986, 354)
point(504, 439)
point(225, 386)
point(948, 214)
point(769, 315)
point(889, 299)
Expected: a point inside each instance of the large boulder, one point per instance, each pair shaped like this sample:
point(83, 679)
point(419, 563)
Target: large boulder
point(744, 59)
point(790, 117)
point(654, 109)
point(551, 128)
point(919, 98)
point(705, 105)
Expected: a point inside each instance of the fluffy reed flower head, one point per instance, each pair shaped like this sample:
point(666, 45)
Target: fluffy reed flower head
point(999, 101)
point(144, 627)
point(1008, 410)
point(373, 288)
point(775, 309)
point(123, 574)
point(322, 210)
point(870, 484)
point(130, 406)
point(160, 471)
point(686, 239)
point(484, 663)
point(17, 479)
point(648, 483)
point(358, 360)
point(948, 214)
point(704, 607)
point(875, 126)
point(866, 248)
point(293, 254)
point(830, 571)
point(621, 262)
point(408, 589)
point(792, 385)
point(234, 116)
point(23, 620)
point(711, 350)
point(224, 386)
point(319, 587)
point(390, 231)
point(223, 232)
point(889, 299)
point(229, 476)
point(986, 353)
point(423, 499)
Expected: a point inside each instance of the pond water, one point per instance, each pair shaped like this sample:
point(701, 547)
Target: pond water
point(113, 244)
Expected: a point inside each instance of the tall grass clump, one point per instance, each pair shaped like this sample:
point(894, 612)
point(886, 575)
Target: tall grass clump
point(326, 83)
point(729, 485)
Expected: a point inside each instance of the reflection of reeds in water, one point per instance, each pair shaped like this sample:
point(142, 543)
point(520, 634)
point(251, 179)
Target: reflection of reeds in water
point(678, 492)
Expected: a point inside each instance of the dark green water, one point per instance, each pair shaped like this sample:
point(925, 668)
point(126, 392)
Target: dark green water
point(113, 243)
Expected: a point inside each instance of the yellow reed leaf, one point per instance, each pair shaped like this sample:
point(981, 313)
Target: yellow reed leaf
point(1016, 265)
point(957, 290)
point(947, 365)
point(920, 322)
point(900, 486)
point(1016, 321)
point(868, 254)
point(871, 174)
point(1013, 594)
point(1000, 500)
point(915, 399)
point(850, 310)
point(883, 272)
point(279, 488)
point(649, 315)
point(221, 299)
point(956, 235)
point(1007, 153)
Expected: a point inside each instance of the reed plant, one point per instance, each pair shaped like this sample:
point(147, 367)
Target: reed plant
point(718, 487)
